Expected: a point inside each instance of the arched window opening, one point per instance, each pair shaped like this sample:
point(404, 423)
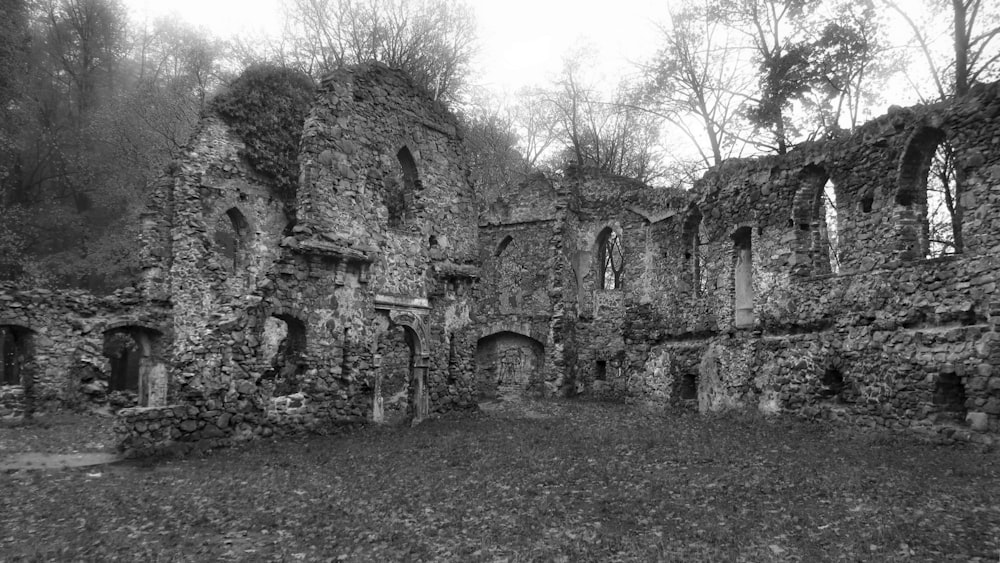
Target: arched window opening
point(503, 245)
point(691, 241)
point(929, 218)
point(402, 189)
point(743, 276)
point(284, 345)
point(14, 352)
point(232, 238)
point(944, 215)
point(811, 220)
point(610, 259)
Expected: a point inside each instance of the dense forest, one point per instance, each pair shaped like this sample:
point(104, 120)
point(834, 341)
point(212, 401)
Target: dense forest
point(95, 105)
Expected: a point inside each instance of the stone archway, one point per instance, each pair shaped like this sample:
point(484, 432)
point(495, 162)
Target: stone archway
point(508, 364)
point(133, 356)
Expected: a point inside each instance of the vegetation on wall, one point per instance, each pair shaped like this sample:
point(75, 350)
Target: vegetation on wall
point(266, 106)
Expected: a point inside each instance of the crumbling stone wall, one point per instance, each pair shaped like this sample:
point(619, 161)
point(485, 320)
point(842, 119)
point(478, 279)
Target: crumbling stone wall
point(58, 349)
point(730, 299)
point(891, 339)
point(282, 322)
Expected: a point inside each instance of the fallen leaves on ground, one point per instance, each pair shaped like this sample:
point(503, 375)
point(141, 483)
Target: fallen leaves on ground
point(572, 482)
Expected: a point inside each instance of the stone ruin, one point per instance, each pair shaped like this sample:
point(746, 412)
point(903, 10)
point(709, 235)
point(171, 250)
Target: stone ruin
point(383, 298)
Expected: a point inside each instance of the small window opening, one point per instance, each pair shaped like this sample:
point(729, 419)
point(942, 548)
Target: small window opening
point(867, 202)
point(968, 318)
point(611, 260)
point(833, 382)
point(949, 395)
point(689, 387)
point(601, 370)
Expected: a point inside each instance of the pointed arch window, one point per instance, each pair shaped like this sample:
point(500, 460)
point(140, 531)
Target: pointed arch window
point(691, 240)
point(399, 196)
point(232, 238)
point(610, 259)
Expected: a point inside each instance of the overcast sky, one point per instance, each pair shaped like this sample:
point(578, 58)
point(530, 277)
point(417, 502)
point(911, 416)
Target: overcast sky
point(522, 41)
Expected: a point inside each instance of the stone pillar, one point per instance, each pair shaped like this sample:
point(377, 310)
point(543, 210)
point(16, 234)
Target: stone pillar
point(421, 406)
point(378, 408)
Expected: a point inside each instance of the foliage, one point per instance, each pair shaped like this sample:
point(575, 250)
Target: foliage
point(267, 106)
point(555, 481)
point(97, 111)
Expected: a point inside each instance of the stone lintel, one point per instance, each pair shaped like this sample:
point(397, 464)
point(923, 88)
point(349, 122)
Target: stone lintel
point(402, 303)
point(338, 251)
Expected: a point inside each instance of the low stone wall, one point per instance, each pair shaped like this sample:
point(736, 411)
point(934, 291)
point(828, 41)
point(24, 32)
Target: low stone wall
point(181, 429)
point(60, 342)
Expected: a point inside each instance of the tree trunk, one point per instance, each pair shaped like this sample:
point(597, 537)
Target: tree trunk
point(961, 50)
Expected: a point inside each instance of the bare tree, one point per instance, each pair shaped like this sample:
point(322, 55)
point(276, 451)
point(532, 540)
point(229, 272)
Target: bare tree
point(697, 82)
point(433, 40)
point(974, 56)
point(615, 134)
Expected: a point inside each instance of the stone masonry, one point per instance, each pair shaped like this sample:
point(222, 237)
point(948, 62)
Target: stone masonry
point(728, 297)
point(375, 296)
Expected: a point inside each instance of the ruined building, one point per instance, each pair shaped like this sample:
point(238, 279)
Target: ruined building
point(383, 296)
point(726, 296)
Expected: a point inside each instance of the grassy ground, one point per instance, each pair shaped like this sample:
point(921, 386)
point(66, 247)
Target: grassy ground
point(570, 482)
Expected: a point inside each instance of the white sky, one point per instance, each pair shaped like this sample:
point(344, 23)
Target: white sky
point(522, 42)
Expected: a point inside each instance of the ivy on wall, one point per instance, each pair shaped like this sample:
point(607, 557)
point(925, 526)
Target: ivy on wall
point(266, 106)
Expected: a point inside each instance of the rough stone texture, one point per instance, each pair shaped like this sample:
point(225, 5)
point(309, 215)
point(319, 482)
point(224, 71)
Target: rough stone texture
point(374, 296)
point(353, 302)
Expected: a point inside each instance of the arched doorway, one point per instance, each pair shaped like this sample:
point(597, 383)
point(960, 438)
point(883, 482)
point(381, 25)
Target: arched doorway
point(401, 362)
point(135, 373)
point(15, 351)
